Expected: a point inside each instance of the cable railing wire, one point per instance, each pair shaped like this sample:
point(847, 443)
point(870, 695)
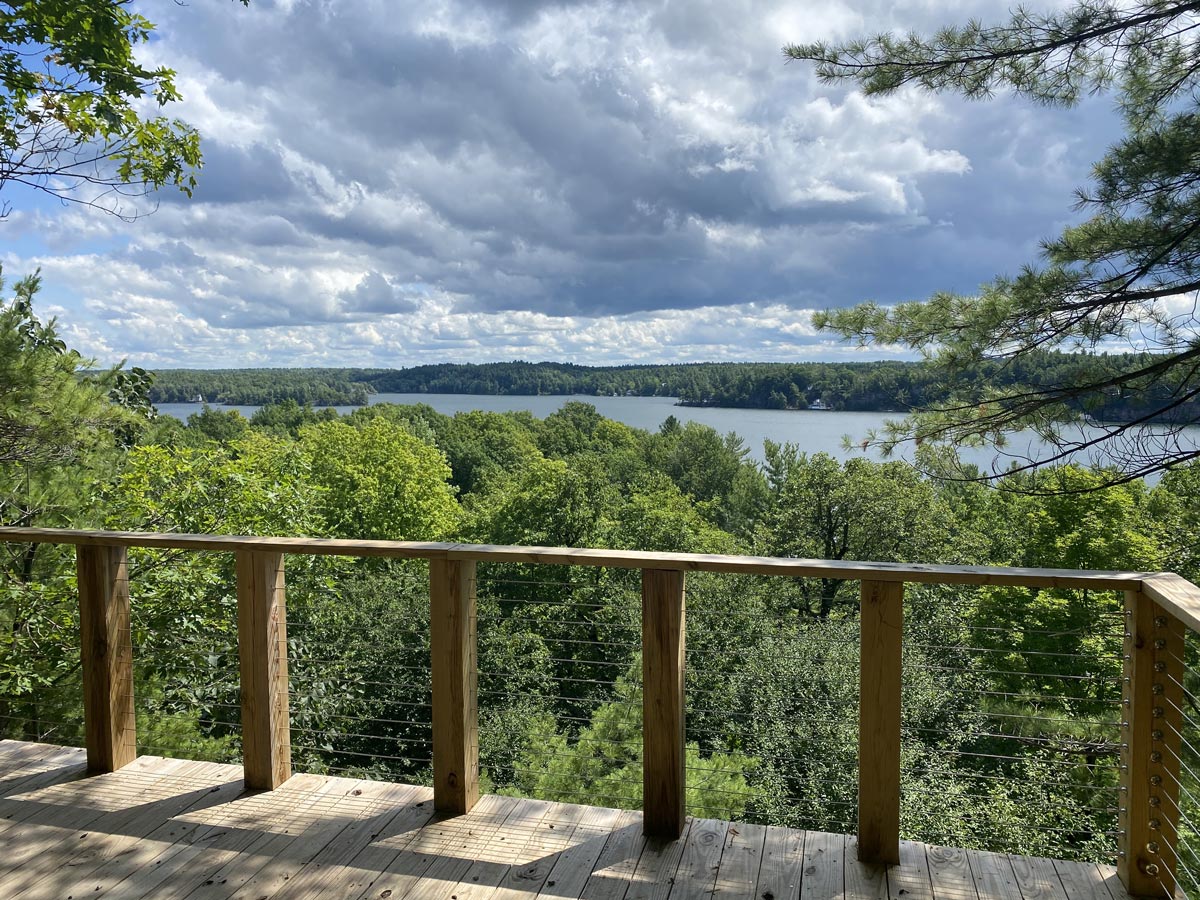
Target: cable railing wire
point(797, 689)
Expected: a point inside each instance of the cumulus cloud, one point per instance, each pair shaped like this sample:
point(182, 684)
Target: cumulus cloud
point(376, 294)
point(157, 335)
point(525, 178)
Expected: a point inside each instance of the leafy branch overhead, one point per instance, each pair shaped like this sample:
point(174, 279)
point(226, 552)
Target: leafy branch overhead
point(1126, 277)
point(72, 99)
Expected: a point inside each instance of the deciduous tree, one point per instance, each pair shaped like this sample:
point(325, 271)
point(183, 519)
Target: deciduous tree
point(381, 481)
point(73, 100)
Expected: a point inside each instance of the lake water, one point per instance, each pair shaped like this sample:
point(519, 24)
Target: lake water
point(811, 430)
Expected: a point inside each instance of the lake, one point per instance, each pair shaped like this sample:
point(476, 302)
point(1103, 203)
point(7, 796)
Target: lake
point(811, 430)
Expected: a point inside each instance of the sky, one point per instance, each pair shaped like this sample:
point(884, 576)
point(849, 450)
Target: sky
point(392, 184)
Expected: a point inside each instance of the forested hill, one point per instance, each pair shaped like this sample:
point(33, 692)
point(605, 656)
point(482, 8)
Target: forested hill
point(259, 387)
point(856, 386)
point(888, 385)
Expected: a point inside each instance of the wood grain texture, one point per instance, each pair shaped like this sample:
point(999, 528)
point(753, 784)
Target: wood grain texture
point(385, 846)
point(1149, 747)
point(548, 845)
point(882, 617)
point(1037, 878)
point(994, 876)
point(868, 880)
point(575, 864)
point(113, 836)
point(106, 651)
point(329, 868)
point(452, 646)
point(126, 871)
point(1175, 594)
point(440, 850)
point(1082, 881)
point(1166, 745)
point(696, 878)
point(742, 861)
point(618, 860)
point(1138, 673)
point(824, 866)
point(1112, 881)
point(59, 807)
point(663, 776)
point(58, 764)
point(522, 864)
point(950, 874)
point(782, 869)
point(276, 854)
point(176, 829)
point(1168, 590)
point(456, 848)
point(262, 651)
point(910, 880)
point(654, 877)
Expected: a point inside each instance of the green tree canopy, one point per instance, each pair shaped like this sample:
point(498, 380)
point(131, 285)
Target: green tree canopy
point(57, 415)
point(1127, 276)
point(72, 105)
point(857, 510)
point(380, 481)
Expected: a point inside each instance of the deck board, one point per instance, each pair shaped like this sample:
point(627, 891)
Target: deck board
point(654, 876)
point(910, 880)
point(993, 873)
point(864, 880)
point(264, 845)
point(145, 867)
point(543, 851)
point(520, 833)
point(114, 835)
point(1037, 878)
point(741, 862)
point(609, 880)
point(1082, 881)
point(824, 872)
point(575, 863)
point(181, 830)
point(950, 874)
point(200, 843)
point(61, 818)
point(782, 868)
point(696, 877)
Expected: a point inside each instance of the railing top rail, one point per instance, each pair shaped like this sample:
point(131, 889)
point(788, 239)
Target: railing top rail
point(1175, 594)
point(1168, 590)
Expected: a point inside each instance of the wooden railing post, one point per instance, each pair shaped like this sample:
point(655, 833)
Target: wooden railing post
point(663, 775)
point(1150, 747)
point(455, 685)
point(106, 652)
point(262, 649)
point(882, 617)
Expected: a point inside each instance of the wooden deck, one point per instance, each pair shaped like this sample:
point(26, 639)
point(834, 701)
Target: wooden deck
point(163, 828)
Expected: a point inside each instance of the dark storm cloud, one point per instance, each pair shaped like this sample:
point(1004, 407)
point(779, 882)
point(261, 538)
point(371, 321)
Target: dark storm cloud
point(243, 175)
point(581, 159)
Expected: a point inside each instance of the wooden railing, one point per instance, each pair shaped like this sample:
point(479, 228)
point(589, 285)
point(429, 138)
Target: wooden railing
point(1159, 607)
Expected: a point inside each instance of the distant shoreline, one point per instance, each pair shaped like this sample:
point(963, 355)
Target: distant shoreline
point(886, 386)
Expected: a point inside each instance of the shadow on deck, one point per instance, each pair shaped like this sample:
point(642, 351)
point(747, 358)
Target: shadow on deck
point(163, 828)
